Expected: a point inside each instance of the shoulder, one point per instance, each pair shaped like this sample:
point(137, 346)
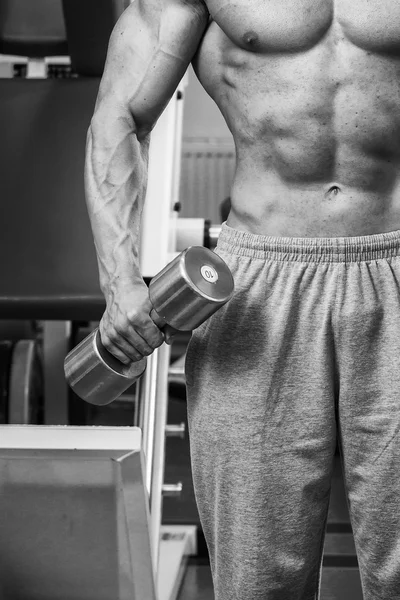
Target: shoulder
point(197, 6)
point(151, 13)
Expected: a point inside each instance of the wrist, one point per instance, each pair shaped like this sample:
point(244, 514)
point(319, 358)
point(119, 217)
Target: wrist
point(125, 280)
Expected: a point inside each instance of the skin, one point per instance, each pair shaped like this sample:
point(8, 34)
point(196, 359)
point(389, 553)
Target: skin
point(310, 90)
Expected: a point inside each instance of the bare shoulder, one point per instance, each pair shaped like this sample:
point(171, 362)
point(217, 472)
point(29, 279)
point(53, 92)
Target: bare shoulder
point(150, 7)
point(150, 49)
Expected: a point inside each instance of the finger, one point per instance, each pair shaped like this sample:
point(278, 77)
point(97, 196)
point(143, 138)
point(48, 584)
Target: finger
point(120, 348)
point(126, 342)
point(146, 328)
point(150, 333)
point(142, 345)
point(142, 334)
point(116, 345)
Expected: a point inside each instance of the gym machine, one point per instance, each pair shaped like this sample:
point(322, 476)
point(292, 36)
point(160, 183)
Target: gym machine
point(58, 286)
point(21, 382)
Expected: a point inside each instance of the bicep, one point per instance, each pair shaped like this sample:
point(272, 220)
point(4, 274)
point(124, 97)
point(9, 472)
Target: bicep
point(149, 51)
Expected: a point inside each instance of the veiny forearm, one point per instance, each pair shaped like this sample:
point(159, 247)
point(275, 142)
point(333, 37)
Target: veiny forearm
point(150, 48)
point(115, 184)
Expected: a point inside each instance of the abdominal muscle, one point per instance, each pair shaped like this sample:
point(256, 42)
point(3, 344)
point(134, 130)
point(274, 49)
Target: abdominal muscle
point(317, 133)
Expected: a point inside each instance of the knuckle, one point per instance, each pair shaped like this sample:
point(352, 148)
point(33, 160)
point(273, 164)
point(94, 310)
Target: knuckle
point(133, 353)
point(119, 329)
point(160, 340)
point(156, 342)
point(113, 336)
point(141, 345)
point(109, 346)
point(150, 338)
point(134, 316)
point(147, 351)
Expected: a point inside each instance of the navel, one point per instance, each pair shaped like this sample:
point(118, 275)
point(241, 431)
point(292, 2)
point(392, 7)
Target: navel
point(333, 191)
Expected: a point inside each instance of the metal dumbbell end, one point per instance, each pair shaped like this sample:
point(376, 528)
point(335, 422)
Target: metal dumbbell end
point(97, 376)
point(184, 294)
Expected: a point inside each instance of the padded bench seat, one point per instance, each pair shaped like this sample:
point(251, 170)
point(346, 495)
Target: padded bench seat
point(48, 261)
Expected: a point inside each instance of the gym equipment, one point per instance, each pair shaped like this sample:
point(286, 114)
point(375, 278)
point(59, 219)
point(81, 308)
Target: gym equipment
point(74, 514)
point(21, 383)
point(14, 330)
point(25, 32)
point(196, 232)
point(25, 394)
point(184, 294)
point(6, 348)
point(59, 283)
point(87, 37)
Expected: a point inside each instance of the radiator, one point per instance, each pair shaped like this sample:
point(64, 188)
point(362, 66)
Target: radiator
point(207, 170)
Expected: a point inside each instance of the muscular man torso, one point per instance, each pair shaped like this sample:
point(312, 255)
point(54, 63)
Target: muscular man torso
point(310, 90)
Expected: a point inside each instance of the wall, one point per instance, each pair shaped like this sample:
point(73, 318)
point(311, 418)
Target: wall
point(208, 157)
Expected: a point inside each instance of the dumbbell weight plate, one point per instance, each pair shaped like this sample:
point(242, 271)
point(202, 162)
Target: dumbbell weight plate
point(208, 273)
point(6, 348)
point(191, 288)
point(25, 396)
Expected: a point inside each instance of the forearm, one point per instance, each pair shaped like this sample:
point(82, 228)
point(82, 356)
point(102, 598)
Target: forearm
point(115, 186)
point(149, 51)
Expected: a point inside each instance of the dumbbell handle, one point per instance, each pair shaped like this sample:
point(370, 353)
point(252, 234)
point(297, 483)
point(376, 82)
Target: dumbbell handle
point(111, 359)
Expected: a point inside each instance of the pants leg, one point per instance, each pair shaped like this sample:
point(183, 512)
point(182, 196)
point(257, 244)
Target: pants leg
point(261, 412)
point(367, 335)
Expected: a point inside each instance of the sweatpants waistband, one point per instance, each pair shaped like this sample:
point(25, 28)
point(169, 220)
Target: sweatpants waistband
point(298, 249)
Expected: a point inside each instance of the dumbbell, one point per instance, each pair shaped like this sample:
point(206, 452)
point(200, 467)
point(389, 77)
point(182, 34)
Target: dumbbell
point(183, 295)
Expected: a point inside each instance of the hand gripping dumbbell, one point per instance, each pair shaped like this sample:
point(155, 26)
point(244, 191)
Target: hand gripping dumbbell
point(184, 294)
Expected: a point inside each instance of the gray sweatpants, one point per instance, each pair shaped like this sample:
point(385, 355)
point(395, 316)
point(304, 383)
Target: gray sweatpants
point(307, 349)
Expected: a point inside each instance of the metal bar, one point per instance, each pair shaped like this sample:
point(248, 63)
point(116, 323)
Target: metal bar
point(172, 489)
point(157, 479)
point(152, 421)
point(176, 430)
point(56, 341)
point(147, 414)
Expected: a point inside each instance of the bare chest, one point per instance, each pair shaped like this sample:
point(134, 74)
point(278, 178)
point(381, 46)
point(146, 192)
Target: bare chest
point(295, 25)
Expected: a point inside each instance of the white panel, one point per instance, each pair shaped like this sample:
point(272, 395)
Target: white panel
point(157, 228)
point(70, 438)
point(206, 177)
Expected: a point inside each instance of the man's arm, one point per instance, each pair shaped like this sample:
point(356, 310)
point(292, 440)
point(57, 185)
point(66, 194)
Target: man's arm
point(149, 51)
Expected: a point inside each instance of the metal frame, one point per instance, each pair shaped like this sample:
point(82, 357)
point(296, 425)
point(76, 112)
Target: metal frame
point(158, 226)
point(158, 247)
point(156, 395)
